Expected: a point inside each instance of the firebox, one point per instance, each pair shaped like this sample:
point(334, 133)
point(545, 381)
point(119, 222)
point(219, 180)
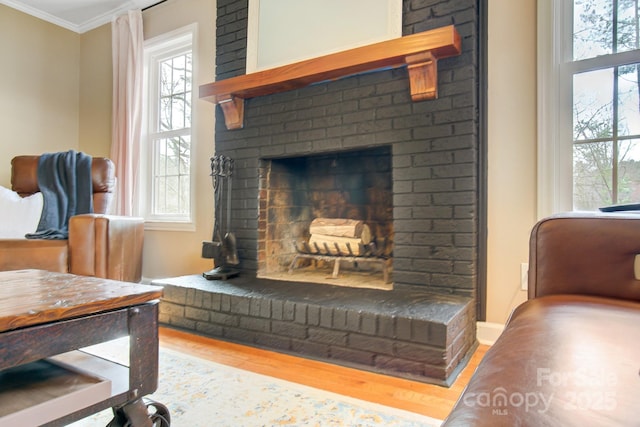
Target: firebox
point(349, 191)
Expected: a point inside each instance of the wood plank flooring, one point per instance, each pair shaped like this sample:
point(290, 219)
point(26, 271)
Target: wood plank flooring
point(431, 400)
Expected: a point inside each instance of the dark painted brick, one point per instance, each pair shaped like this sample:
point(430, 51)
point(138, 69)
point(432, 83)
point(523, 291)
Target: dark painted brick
point(373, 344)
point(191, 297)
point(224, 319)
point(300, 313)
point(277, 309)
point(401, 365)
point(313, 315)
point(289, 329)
point(403, 328)
point(386, 326)
point(175, 294)
point(421, 353)
point(209, 329)
point(196, 313)
point(255, 324)
point(310, 348)
point(353, 320)
point(328, 336)
point(351, 356)
point(339, 318)
point(288, 310)
point(326, 317)
point(240, 335)
point(183, 322)
point(214, 302)
point(440, 372)
point(368, 323)
point(225, 303)
point(273, 341)
point(239, 305)
point(171, 309)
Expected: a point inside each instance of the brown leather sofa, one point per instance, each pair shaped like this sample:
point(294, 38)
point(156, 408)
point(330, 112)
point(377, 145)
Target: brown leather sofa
point(99, 245)
point(570, 355)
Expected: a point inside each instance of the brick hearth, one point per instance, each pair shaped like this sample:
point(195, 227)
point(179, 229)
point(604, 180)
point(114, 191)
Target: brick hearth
point(409, 333)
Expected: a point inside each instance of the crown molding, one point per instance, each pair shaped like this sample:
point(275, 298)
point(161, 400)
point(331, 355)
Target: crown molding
point(88, 25)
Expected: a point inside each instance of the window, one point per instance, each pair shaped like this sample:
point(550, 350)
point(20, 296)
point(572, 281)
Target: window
point(168, 144)
point(590, 85)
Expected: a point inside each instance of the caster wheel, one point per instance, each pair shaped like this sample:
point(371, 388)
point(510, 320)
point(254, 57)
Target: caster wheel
point(158, 413)
point(135, 414)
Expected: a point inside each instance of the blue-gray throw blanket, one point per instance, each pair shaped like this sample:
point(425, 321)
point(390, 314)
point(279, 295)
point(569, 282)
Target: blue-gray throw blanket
point(67, 189)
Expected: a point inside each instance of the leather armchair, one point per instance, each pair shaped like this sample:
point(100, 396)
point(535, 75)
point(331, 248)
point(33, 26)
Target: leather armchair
point(99, 244)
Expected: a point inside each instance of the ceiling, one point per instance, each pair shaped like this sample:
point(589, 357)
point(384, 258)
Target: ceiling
point(77, 15)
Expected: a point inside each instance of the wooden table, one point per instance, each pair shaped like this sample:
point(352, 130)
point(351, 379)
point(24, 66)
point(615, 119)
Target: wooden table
point(44, 314)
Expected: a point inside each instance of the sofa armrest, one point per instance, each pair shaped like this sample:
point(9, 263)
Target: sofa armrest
point(106, 246)
point(586, 253)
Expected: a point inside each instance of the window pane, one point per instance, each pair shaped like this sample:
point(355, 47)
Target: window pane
point(629, 172)
point(165, 78)
point(179, 71)
point(628, 100)
point(177, 111)
point(592, 175)
point(169, 144)
point(592, 28)
point(602, 27)
point(165, 114)
point(627, 31)
point(185, 155)
point(159, 200)
point(188, 73)
point(172, 192)
point(593, 105)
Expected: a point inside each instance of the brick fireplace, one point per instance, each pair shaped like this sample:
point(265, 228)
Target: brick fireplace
point(422, 194)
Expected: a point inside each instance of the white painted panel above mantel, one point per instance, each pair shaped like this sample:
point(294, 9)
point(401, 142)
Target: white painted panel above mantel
point(282, 32)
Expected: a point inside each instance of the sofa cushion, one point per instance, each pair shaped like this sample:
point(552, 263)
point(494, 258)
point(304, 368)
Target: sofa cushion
point(18, 215)
point(562, 360)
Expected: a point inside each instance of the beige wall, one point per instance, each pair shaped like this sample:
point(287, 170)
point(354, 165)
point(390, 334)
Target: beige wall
point(39, 92)
point(173, 253)
point(511, 150)
point(57, 96)
point(95, 91)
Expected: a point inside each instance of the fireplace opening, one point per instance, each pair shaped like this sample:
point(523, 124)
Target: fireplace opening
point(346, 187)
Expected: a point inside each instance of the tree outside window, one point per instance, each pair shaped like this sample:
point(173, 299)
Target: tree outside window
point(606, 103)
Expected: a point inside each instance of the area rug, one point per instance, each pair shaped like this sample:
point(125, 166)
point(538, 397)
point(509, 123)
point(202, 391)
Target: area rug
point(201, 393)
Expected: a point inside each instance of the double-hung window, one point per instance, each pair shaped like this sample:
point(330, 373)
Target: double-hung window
point(589, 59)
point(168, 145)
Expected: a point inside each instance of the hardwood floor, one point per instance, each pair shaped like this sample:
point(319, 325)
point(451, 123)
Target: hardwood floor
point(426, 399)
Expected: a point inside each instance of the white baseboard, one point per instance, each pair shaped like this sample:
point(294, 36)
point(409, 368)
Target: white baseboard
point(487, 332)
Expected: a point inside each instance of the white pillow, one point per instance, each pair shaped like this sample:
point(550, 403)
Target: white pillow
point(19, 216)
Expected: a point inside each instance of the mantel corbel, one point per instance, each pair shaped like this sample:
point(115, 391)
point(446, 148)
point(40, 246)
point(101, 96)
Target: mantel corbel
point(418, 52)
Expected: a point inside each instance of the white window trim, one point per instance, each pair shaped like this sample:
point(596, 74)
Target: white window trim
point(555, 92)
point(179, 38)
point(555, 165)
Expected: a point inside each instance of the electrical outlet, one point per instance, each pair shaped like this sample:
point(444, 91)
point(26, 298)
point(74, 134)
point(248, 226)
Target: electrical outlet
point(524, 276)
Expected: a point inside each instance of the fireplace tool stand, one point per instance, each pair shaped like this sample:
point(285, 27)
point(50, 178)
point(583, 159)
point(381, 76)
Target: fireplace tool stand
point(223, 251)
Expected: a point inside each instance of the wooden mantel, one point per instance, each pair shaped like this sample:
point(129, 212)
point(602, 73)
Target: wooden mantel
point(419, 52)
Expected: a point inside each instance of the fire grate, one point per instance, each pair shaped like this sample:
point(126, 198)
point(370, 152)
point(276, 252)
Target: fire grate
point(366, 253)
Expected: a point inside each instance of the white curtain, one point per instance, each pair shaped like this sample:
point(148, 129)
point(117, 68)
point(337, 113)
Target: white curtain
point(128, 50)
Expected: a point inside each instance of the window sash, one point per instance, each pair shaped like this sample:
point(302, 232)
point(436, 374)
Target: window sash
point(556, 69)
point(181, 214)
